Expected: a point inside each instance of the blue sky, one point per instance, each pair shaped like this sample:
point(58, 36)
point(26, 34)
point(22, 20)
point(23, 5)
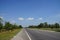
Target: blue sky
point(30, 12)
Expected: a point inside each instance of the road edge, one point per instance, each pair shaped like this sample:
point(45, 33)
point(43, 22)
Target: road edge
point(28, 35)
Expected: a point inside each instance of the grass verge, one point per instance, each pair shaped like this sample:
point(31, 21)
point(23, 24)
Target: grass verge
point(54, 29)
point(7, 35)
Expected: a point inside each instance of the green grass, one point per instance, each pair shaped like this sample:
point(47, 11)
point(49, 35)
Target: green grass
point(57, 29)
point(54, 29)
point(8, 34)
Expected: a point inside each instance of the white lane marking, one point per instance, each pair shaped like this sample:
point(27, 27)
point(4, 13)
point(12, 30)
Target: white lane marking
point(28, 35)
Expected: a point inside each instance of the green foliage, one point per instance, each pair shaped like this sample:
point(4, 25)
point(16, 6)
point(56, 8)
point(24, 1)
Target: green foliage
point(40, 25)
point(1, 25)
point(20, 26)
point(56, 25)
point(46, 25)
point(8, 26)
point(1, 19)
point(15, 26)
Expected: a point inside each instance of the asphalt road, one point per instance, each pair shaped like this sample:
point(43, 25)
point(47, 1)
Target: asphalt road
point(29, 34)
point(22, 35)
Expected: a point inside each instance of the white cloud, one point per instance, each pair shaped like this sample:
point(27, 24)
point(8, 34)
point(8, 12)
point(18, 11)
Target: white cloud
point(20, 18)
point(30, 18)
point(1, 17)
point(12, 21)
point(40, 18)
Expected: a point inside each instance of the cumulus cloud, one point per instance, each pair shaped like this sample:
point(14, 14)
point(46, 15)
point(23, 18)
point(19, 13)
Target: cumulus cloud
point(40, 18)
point(30, 18)
point(1, 17)
point(20, 18)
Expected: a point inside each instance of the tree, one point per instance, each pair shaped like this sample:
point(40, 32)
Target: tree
point(56, 25)
point(1, 19)
point(31, 26)
point(1, 25)
point(15, 26)
point(20, 26)
point(52, 26)
point(46, 25)
point(40, 25)
point(8, 26)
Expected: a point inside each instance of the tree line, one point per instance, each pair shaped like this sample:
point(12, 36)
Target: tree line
point(46, 25)
point(8, 26)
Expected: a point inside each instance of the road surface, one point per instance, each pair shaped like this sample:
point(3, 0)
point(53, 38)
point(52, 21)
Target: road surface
point(33, 34)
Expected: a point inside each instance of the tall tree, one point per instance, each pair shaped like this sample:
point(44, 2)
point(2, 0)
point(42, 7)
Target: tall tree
point(40, 25)
point(56, 25)
point(20, 26)
point(1, 25)
point(8, 26)
point(46, 25)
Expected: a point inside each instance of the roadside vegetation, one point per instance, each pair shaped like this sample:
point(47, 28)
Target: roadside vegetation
point(7, 35)
point(8, 30)
point(46, 26)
